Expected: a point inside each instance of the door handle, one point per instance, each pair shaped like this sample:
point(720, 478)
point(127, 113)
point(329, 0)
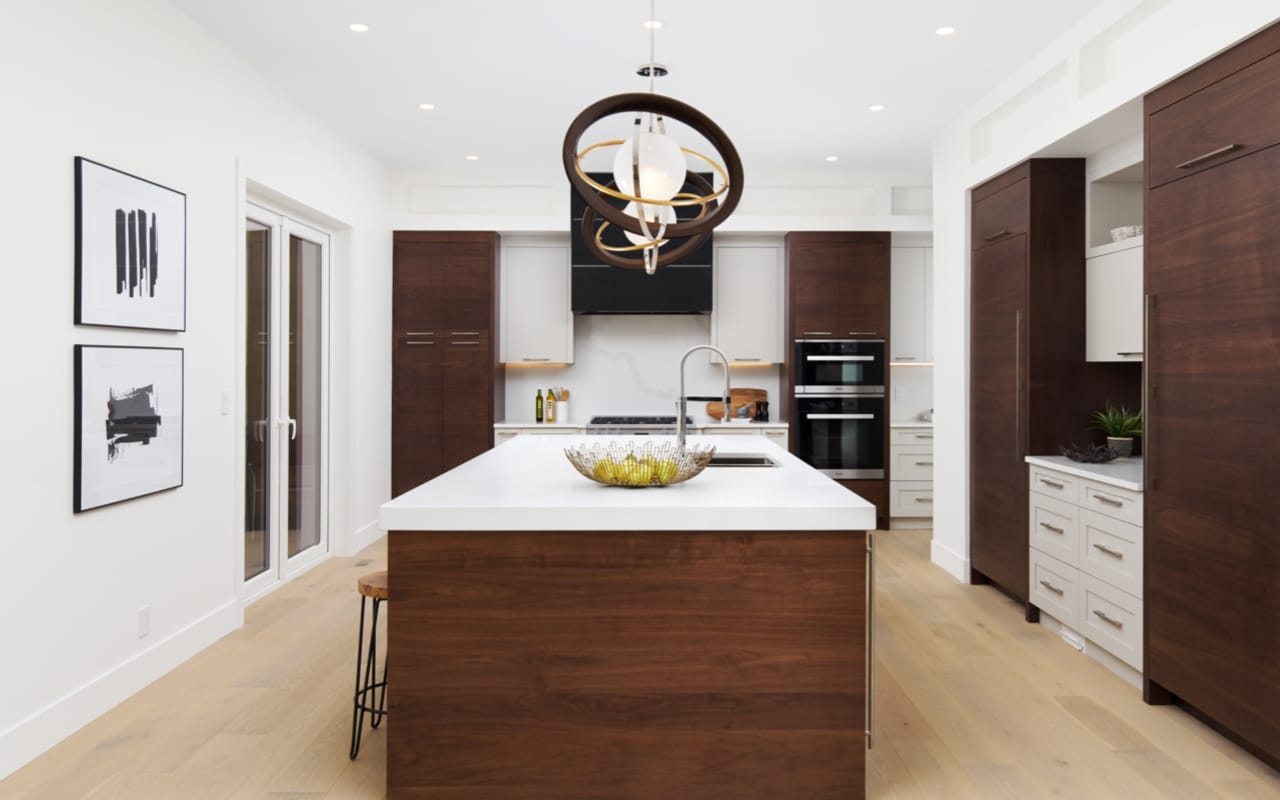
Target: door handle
point(1189, 163)
point(293, 428)
point(840, 358)
point(839, 416)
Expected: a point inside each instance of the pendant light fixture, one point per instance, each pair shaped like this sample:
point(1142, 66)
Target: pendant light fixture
point(650, 170)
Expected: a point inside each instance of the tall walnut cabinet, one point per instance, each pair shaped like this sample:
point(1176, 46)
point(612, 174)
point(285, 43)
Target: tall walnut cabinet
point(447, 386)
point(1212, 501)
point(1030, 388)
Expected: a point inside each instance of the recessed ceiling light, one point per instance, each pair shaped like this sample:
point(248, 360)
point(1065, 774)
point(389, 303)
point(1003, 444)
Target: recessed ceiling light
point(945, 30)
point(875, 107)
point(426, 107)
point(473, 158)
point(833, 158)
point(358, 27)
point(653, 24)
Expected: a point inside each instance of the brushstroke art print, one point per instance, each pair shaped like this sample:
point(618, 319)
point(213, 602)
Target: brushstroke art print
point(131, 250)
point(128, 423)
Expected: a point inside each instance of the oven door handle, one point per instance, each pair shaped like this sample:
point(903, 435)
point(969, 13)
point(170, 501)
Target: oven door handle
point(840, 358)
point(839, 416)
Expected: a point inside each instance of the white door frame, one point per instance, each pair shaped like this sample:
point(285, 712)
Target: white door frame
point(283, 225)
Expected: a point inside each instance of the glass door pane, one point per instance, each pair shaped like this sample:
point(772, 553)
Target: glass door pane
point(257, 433)
point(306, 304)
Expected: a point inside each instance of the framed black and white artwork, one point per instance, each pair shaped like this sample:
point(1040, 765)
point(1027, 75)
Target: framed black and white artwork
point(128, 423)
point(131, 250)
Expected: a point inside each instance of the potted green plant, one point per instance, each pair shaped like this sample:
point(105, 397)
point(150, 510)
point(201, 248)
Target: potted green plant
point(1120, 425)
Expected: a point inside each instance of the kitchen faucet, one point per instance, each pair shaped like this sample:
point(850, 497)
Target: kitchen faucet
point(682, 401)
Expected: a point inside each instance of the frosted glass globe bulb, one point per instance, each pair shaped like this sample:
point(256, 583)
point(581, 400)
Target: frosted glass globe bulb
point(656, 216)
point(662, 167)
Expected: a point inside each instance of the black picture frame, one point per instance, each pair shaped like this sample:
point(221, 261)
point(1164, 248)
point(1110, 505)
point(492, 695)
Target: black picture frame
point(129, 423)
point(130, 250)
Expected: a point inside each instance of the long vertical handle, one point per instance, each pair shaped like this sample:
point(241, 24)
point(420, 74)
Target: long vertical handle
point(1017, 385)
point(1149, 303)
point(871, 634)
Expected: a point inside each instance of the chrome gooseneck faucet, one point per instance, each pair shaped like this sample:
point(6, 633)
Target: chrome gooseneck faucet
point(683, 400)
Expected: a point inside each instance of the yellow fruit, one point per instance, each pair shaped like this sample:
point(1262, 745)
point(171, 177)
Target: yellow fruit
point(666, 470)
point(643, 473)
point(605, 471)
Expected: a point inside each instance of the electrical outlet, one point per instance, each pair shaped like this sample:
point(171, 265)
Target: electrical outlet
point(226, 402)
point(144, 622)
point(899, 394)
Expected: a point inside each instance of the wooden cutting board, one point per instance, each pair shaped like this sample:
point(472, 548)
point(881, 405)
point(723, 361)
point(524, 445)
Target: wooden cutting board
point(738, 397)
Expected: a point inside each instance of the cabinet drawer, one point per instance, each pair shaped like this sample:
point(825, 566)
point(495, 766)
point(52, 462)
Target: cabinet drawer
point(1121, 504)
point(1001, 215)
point(910, 463)
point(1055, 588)
point(1055, 528)
point(1111, 551)
point(1235, 116)
point(912, 436)
point(1112, 619)
point(910, 499)
point(1054, 484)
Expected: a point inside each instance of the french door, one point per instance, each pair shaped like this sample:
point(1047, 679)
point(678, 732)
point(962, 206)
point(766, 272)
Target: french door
point(286, 398)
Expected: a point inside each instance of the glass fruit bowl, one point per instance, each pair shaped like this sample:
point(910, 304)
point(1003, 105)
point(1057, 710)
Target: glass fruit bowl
point(639, 464)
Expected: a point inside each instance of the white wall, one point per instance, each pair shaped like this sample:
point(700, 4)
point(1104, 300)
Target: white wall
point(631, 365)
point(1119, 52)
point(136, 85)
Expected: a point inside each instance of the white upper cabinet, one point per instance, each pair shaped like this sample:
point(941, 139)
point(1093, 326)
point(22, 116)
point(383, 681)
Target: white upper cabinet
point(537, 323)
point(746, 322)
point(1113, 310)
point(911, 298)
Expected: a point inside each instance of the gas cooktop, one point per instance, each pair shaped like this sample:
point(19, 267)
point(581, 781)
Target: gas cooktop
point(607, 424)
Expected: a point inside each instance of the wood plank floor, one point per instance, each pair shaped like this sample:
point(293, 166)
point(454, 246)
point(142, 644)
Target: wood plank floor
point(970, 702)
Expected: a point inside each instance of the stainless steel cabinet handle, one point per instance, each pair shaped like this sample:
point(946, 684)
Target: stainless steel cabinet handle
point(1189, 163)
point(1053, 528)
point(839, 416)
point(924, 499)
point(743, 358)
point(817, 333)
point(465, 333)
point(1052, 588)
point(1115, 623)
point(924, 435)
point(840, 358)
point(904, 358)
point(924, 463)
point(1111, 501)
point(419, 333)
point(996, 235)
point(864, 333)
point(871, 633)
point(1130, 353)
point(464, 343)
point(416, 343)
point(1054, 484)
point(1109, 551)
point(535, 359)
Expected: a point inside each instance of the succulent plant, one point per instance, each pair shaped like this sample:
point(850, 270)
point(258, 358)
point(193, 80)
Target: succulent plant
point(1118, 422)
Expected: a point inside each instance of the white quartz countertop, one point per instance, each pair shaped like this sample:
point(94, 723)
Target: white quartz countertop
point(569, 427)
point(528, 484)
point(1124, 472)
point(909, 424)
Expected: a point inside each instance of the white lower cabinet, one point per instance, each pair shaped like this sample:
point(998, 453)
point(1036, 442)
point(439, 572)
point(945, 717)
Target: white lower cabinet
point(910, 472)
point(775, 434)
point(1086, 559)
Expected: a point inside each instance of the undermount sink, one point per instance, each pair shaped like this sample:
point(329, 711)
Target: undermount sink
point(742, 460)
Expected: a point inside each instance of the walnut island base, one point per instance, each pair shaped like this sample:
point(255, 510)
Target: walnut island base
point(642, 662)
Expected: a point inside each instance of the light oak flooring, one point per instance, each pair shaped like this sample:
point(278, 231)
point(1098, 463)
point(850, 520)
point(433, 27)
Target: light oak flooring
point(971, 702)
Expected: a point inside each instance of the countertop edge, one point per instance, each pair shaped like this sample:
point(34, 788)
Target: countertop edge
point(1093, 472)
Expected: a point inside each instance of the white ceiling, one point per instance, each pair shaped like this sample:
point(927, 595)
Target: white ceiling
point(790, 82)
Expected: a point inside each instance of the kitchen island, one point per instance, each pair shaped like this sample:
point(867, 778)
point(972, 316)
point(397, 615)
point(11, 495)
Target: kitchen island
point(554, 638)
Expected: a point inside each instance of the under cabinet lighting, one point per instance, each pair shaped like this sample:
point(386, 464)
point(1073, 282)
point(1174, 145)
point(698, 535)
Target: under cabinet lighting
point(358, 27)
point(911, 363)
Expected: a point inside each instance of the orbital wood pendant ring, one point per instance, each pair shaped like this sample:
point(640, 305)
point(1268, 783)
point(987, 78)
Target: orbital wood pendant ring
point(590, 235)
point(674, 109)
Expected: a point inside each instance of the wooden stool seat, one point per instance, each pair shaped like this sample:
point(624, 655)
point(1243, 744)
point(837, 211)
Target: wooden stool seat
point(374, 585)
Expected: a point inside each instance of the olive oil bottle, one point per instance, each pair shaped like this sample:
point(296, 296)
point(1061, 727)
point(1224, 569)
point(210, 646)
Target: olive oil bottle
point(537, 407)
point(550, 407)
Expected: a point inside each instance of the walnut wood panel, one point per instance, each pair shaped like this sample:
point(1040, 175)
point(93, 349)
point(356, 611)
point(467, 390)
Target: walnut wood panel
point(864, 289)
point(998, 414)
point(1229, 119)
point(415, 303)
point(1212, 555)
point(1002, 213)
point(813, 272)
point(466, 405)
point(873, 491)
point(445, 280)
point(627, 665)
point(1255, 48)
point(416, 392)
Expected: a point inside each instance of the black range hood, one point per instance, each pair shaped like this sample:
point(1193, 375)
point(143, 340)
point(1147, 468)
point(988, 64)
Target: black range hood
point(683, 287)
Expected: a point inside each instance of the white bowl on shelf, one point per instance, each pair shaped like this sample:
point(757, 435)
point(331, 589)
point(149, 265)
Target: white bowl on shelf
point(1125, 232)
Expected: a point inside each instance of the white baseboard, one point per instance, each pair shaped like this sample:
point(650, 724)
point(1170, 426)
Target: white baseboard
point(910, 523)
point(30, 737)
point(951, 561)
point(364, 536)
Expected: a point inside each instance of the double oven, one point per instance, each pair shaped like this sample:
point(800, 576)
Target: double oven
point(840, 407)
